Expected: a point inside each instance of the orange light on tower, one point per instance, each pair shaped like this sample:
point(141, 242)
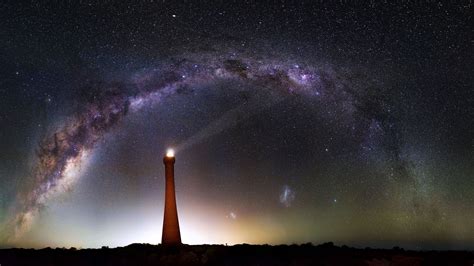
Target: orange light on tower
point(171, 234)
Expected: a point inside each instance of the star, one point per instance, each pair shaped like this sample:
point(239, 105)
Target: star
point(232, 215)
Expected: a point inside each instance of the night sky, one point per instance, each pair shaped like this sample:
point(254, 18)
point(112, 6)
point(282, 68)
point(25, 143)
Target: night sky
point(291, 123)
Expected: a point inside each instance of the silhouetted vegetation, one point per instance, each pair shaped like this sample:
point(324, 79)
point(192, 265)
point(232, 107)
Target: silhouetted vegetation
point(305, 254)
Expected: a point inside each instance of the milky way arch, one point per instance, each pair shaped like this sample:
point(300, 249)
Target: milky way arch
point(104, 106)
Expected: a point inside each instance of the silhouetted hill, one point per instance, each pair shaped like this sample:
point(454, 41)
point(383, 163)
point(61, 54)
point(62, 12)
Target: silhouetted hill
point(306, 254)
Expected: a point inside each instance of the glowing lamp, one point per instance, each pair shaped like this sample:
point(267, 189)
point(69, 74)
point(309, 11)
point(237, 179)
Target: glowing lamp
point(170, 153)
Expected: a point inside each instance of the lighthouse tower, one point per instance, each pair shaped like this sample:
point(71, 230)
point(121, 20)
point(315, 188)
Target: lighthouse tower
point(171, 235)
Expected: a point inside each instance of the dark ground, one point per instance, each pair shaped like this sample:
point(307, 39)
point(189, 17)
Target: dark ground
point(307, 254)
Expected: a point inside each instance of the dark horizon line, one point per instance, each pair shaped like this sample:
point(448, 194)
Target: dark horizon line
point(307, 244)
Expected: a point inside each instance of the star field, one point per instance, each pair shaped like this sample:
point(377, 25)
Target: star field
point(291, 123)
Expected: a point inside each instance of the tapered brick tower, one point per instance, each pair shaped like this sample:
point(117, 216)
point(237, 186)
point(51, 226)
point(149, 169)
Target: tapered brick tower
point(171, 235)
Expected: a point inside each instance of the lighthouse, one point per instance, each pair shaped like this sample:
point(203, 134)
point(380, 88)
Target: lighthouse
point(171, 235)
